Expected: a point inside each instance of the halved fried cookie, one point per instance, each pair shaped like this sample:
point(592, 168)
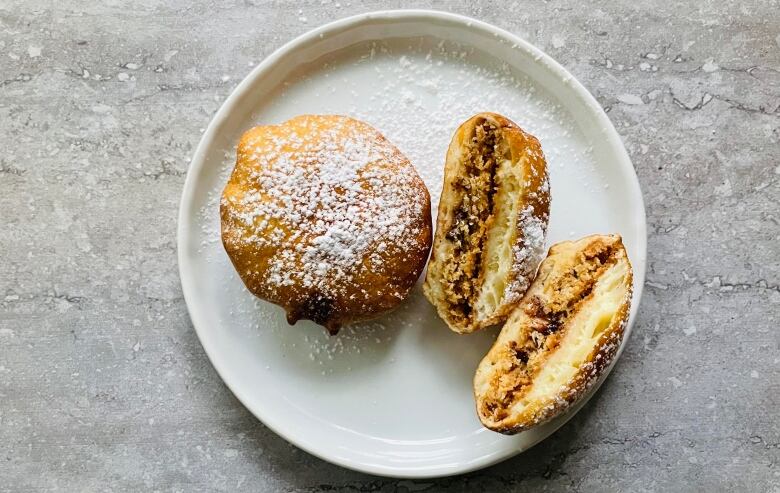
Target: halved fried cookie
point(561, 337)
point(491, 224)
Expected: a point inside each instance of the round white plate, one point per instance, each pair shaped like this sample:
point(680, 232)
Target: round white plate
point(393, 397)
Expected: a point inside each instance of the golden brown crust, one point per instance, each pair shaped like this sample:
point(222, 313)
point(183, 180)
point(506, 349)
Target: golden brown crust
point(491, 223)
point(326, 218)
point(563, 335)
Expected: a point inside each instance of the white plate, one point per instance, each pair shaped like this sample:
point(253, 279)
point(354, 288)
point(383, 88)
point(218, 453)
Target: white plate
point(393, 397)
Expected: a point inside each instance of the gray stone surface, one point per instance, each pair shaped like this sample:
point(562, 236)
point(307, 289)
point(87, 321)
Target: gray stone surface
point(103, 383)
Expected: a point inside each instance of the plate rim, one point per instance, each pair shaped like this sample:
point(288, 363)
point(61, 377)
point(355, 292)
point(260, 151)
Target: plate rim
point(229, 106)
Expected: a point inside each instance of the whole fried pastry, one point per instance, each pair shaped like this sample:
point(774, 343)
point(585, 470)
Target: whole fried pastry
point(326, 218)
point(561, 337)
point(491, 224)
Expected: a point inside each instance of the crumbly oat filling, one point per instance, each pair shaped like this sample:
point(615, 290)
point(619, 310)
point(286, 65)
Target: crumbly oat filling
point(524, 358)
point(476, 185)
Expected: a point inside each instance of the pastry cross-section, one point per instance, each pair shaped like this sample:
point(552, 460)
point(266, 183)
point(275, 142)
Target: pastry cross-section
point(491, 223)
point(560, 339)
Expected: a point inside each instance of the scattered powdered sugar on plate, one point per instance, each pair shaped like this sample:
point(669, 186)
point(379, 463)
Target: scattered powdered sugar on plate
point(416, 94)
point(208, 214)
point(419, 94)
point(309, 345)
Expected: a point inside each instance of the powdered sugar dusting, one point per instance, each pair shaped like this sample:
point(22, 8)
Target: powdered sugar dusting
point(327, 199)
point(528, 254)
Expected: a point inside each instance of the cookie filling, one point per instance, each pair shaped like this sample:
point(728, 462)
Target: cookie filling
point(476, 186)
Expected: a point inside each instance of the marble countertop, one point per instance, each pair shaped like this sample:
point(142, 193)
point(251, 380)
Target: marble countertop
point(103, 383)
